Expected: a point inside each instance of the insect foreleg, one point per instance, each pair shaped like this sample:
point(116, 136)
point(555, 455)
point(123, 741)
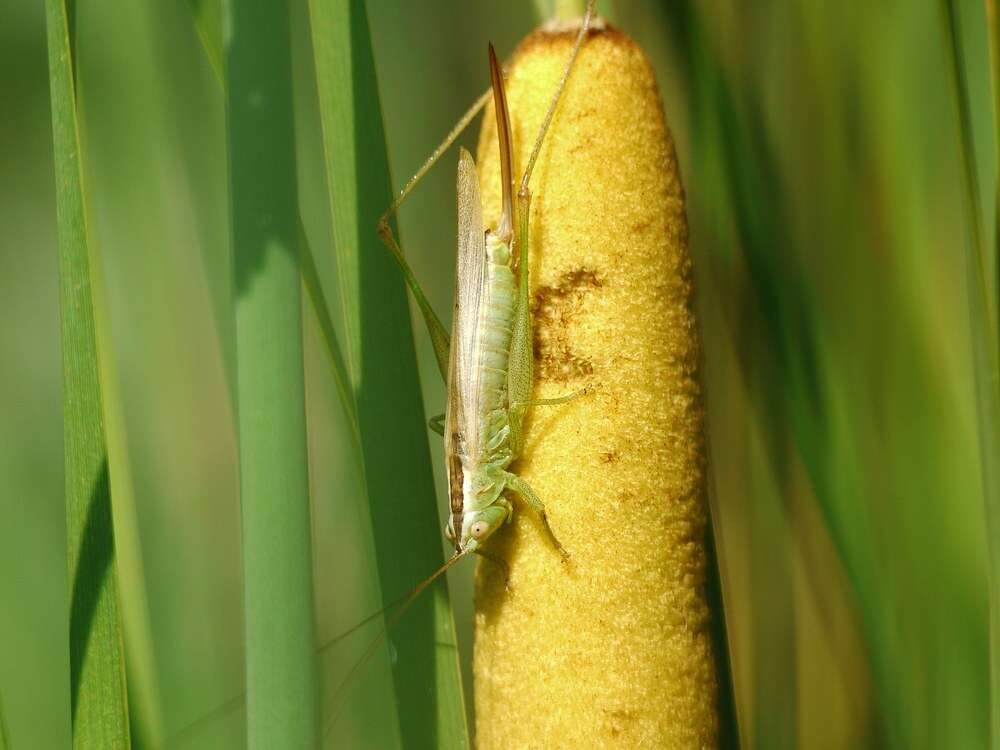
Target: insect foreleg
point(522, 488)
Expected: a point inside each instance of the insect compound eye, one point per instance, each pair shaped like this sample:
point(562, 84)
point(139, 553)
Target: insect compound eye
point(479, 529)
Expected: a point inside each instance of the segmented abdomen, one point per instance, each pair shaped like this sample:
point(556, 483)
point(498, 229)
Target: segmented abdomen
point(496, 316)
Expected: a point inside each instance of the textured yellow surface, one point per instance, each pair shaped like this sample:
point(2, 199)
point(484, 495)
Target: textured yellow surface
point(611, 649)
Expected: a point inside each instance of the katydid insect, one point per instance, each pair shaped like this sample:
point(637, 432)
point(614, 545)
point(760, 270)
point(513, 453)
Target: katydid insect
point(487, 360)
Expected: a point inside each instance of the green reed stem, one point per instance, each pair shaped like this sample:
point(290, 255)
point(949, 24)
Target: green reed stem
point(282, 699)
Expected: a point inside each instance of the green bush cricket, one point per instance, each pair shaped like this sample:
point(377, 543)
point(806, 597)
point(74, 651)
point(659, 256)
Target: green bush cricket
point(488, 364)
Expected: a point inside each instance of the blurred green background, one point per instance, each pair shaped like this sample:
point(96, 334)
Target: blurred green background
point(821, 157)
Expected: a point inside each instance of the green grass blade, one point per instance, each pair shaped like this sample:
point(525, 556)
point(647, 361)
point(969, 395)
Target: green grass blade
point(993, 36)
point(143, 673)
point(4, 739)
point(97, 667)
point(210, 33)
point(282, 704)
point(984, 329)
point(208, 23)
point(380, 356)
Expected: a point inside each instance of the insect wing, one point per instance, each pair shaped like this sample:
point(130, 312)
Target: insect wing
point(461, 431)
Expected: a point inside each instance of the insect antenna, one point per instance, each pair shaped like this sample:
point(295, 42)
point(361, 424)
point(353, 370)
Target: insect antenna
point(580, 36)
point(327, 645)
point(238, 701)
point(341, 690)
point(190, 730)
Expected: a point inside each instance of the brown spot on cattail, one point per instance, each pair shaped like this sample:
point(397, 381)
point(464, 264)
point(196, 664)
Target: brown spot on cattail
point(553, 308)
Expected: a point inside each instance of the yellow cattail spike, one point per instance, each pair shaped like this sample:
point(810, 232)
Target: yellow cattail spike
point(613, 648)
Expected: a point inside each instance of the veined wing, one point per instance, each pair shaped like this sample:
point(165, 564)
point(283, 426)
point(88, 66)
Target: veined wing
point(461, 416)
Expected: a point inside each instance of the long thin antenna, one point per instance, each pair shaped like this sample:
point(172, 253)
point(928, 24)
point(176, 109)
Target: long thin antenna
point(238, 701)
point(373, 616)
point(188, 730)
point(587, 17)
point(341, 690)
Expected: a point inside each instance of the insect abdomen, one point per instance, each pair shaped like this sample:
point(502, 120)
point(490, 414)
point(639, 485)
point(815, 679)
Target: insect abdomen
point(496, 318)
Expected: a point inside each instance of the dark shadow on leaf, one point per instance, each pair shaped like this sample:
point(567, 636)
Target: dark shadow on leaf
point(262, 173)
point(385, 317)
point(93, 563)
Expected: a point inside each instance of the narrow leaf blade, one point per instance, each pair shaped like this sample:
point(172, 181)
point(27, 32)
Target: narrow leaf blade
point(984, 333)
point(380, 357)
point(97, 668)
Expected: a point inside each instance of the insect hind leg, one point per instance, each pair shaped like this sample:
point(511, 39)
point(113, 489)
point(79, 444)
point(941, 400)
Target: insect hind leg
point(439, 335)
